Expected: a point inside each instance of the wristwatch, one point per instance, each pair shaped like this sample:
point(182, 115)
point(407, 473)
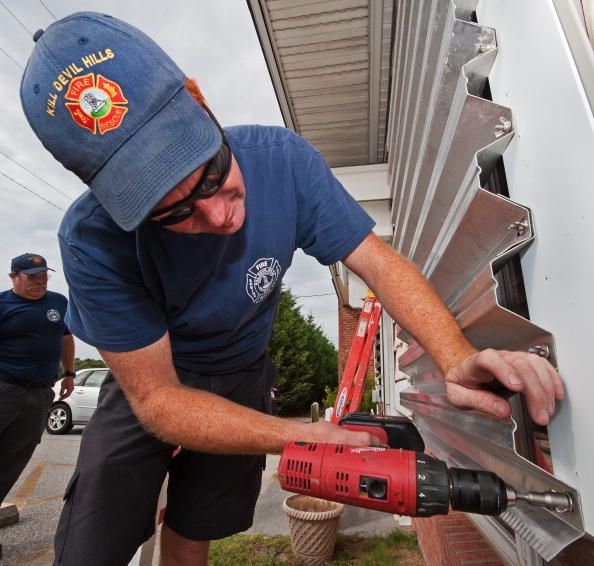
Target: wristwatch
point(69, 374)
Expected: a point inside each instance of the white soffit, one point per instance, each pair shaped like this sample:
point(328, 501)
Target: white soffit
point(366, 182)
point(329, 61)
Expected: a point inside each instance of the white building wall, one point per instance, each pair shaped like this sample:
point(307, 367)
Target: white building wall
point(368, 184)
point(550, 168)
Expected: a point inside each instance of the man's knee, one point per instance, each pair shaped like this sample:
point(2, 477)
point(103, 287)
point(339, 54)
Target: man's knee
point(177, 550)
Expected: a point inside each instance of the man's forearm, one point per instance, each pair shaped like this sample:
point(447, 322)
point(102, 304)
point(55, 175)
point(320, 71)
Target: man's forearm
point(411, 300)
point(67, 358)
point(199, 420)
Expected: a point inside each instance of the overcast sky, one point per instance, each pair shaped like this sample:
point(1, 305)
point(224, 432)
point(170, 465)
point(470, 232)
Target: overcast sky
point(212, 40)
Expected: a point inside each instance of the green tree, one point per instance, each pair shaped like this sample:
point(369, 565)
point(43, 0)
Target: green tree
point(87, 363)
point(307, 361)
point(365, 405)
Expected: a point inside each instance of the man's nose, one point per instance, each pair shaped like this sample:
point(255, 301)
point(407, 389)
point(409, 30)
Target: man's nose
point(213, 211)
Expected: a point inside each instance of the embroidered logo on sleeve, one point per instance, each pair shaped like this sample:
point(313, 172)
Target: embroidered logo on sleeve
point(261, 278)
point(96, 103)
point(53, 315)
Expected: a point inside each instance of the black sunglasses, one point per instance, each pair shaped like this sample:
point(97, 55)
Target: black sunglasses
point(212, 179)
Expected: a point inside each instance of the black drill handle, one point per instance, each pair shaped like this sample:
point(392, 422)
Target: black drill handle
point(396, 432)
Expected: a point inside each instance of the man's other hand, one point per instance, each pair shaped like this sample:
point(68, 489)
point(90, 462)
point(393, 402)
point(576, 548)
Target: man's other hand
point(516, 371)
point(66, 387)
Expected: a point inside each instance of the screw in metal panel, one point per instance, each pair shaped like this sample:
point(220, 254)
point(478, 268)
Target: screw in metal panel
point(504, 127)
point(541, 350)
point(520, 226)
point(484, 47)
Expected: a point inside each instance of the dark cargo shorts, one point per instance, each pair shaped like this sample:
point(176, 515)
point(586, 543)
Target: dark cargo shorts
point(111, 500)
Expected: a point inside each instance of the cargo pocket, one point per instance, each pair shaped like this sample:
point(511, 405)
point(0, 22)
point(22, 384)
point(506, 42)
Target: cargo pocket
point(71, 485)
point(270, 378)
point(50, 397)
point(64, 523)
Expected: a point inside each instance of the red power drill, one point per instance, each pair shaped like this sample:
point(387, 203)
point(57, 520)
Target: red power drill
point(400, 479)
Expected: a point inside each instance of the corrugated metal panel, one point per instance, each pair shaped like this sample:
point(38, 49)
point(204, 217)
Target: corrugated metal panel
point(443, 141)
point(332, 61)
point(442, 138)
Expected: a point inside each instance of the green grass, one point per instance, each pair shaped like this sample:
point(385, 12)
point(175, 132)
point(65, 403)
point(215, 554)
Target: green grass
point(263, 550)
point(251, 550)
point(380, 551)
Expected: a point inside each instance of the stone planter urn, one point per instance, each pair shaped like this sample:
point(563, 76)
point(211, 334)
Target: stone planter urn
point(313, 524)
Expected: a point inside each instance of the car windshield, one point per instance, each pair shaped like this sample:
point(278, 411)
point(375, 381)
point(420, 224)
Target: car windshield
point(80, 377)
point(93, 377)
point(96, 379)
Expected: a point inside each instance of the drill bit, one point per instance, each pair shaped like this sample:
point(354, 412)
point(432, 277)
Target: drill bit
point(554, 500)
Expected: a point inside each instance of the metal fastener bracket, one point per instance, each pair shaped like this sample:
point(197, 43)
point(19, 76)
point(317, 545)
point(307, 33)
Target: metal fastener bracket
point(521, 227)
point(504, 127)
point(541, 350)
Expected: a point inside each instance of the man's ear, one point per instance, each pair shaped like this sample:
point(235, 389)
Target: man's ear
point(192, 87)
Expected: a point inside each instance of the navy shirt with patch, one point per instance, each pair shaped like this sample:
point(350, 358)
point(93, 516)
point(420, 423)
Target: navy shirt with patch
point(215, 295)
point(31, 334)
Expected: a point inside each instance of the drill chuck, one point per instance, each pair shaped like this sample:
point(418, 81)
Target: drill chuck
point(477, 491)
point(471, 491)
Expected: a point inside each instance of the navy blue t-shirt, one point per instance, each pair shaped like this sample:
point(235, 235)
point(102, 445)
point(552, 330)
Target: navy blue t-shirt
point(31, 335)
point(215, 295)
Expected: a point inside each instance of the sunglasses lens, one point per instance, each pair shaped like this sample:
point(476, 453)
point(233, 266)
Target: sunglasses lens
point(175, 216)
point(217, 173)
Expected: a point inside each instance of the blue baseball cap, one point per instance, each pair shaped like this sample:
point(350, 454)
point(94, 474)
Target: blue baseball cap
point(111, 106)
point(29, 263)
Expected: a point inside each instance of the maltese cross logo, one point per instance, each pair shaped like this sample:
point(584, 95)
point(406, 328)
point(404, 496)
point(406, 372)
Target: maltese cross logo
point(96, 103)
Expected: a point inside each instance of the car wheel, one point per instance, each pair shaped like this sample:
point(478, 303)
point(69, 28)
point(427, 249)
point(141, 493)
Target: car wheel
point(59, 420)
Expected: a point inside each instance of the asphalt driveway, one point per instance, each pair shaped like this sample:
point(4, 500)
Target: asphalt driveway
point(39, 491)
point(38, 497)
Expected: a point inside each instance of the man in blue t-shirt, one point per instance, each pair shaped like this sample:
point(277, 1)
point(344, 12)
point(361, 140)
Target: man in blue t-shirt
point(174, 261)
point(33, 342)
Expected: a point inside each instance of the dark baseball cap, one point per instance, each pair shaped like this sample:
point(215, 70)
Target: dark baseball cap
point(29, 263)
point(111, 106)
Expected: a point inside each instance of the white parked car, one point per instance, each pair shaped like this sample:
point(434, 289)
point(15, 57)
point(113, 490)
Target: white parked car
point(79, 407)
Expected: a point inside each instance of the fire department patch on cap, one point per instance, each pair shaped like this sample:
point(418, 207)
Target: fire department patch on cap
point(96, 103)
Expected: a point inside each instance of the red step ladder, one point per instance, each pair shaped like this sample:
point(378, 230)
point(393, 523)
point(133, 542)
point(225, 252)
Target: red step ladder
point(352, 385)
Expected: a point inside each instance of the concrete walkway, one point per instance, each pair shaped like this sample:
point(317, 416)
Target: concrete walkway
point(270, 518)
